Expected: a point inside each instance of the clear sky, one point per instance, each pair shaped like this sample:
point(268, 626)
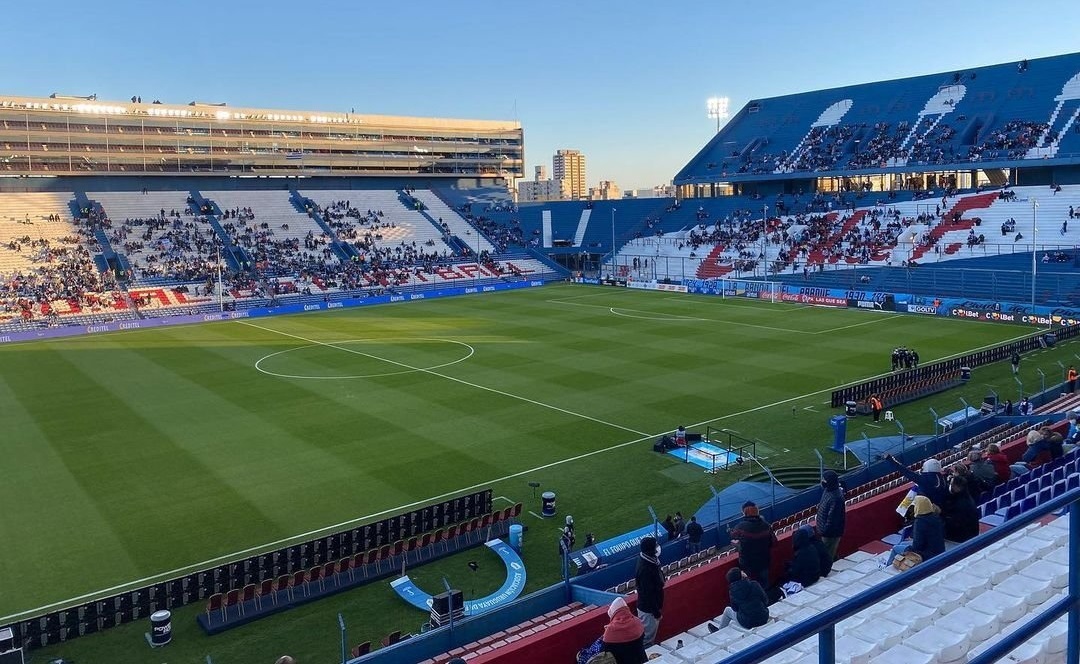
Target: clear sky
point(625, 82)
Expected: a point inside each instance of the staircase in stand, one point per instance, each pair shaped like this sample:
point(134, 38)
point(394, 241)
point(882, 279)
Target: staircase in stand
point(710, 268)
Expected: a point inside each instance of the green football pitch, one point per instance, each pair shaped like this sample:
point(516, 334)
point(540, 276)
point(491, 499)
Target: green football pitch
point(134, 457)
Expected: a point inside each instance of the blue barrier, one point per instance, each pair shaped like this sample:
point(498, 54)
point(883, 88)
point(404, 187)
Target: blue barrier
point(511, 587)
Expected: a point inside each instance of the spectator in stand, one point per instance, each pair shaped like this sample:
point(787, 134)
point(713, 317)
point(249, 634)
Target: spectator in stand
point(649, 581)
point(748, 603)
point(831, 512)
point(999, 461)
point(929, 480)
point(1025, 407)
point(624, 635)
point(669, 527)
point(754, 537)
point(982, 469)
point(928, 531)
point(960, 514)
point(1044, 445)
point(805, 565)
point(694, 531)
point(680, 525)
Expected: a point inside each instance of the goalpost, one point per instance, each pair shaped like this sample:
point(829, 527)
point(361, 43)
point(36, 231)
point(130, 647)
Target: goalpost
point(750, 288)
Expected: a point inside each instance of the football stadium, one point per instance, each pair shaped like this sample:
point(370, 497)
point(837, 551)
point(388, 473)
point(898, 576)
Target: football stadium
point(310, 382)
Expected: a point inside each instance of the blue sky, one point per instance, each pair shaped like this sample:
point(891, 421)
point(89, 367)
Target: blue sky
point(625, 82)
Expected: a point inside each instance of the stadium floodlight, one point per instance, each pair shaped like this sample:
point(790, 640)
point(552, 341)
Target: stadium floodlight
point(717, 107)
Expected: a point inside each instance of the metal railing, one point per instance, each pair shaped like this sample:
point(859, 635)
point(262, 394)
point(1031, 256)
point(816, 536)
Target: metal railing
point(823, 625)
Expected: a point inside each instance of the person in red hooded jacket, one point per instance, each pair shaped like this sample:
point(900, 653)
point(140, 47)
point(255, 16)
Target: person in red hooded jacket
point(624, 635)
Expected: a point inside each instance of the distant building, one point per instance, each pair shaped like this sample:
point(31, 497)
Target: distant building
point(607, 191)
point(659, 191)
point(541, 173)
point(569, 165)
point(543, 190)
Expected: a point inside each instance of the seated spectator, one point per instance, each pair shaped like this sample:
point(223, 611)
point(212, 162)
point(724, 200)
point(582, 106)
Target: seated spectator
point(960, 513)
point(928, 531)
point(749, 605)
point(930, 482)
point(624, 634)
point(999, 461)
point(982, 469)
point(805, 565)
point(1044, 444)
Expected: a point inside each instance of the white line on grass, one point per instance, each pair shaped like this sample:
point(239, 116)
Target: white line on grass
point(674, 317)
point(865, 322)
point(269, 546)
point(450, 378)
point(536, 515)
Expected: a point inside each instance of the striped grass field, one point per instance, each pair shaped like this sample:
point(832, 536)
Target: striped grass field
point(133, 457)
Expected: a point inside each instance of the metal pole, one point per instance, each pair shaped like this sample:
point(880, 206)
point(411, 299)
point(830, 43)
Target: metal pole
point(341, 624)
point(764, 240)
point(613, 242)
point(1034, 251)
point(221, 287)
point(1072, 651)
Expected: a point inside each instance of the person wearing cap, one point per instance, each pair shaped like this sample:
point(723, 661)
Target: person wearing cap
point(754, 536)
point(624, 635)
point(831, 512)
point(929, 480)
point(928, 531)
point(649, 581)
point(749, 604)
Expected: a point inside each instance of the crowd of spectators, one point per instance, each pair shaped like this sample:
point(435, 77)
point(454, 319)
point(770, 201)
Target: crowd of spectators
point(61, 270)
point(172, 245)
point(1012, 141)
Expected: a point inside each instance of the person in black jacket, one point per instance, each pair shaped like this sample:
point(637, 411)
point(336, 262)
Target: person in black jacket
point(928, 531)
point(930, 481)
point(749, 605)
point(694, 531)
point(755, 538)
point(805, 565)
point(649, 582)
point(960, 512)
point(831, 512)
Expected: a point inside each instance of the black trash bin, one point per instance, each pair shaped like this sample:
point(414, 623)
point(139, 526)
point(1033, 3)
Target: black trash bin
point(160, 628)
point(850, 408)
point(547, 504)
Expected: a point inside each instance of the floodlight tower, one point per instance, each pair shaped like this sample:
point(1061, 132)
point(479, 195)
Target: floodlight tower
point(717, 107)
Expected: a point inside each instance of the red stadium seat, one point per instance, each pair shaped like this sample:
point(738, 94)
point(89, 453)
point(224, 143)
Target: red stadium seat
point(298, 582)
point(216, 603)
point(247, 594)
point(266, 588)
point(361, 650)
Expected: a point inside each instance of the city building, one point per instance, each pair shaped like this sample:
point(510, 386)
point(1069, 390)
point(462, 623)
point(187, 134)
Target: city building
point(536, 191)
point(570, 165)
point(606, 191)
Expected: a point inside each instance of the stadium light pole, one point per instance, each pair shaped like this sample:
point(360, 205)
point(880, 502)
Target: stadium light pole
point(1034, 251)
point(717, 107)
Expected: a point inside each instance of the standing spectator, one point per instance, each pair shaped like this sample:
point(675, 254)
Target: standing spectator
point(1015, 362)
point(929, 480)
point(749, 604)
point(960, 514)
point(649, 581)
point(680, 525)
point(1071, 379)
point(831, 512)
point(1009, 408)
point(624, 636)
point(669, 527)
point(754, 537)
point(694, 531)
point(875, 407)
point(1025, 406)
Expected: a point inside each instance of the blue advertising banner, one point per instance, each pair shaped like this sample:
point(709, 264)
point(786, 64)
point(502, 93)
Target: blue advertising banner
point(511, 588)
point(78, 330)
point(614, 549)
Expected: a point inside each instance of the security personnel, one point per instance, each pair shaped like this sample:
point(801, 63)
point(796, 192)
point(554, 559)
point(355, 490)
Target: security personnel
point(875, 407)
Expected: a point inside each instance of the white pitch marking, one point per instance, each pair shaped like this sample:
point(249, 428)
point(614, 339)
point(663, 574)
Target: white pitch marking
point(269, 546)
point(471, 352)
point(865, 322)
point(660, 317)
point(504, 498)
point(450, 378)
point(536, 515)
point(810, 408)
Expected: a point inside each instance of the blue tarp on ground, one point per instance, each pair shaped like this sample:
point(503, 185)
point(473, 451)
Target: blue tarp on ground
point(728, 503)
point(872, 449)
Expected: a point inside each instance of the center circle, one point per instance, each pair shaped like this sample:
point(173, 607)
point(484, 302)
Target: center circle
point(368, 349)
